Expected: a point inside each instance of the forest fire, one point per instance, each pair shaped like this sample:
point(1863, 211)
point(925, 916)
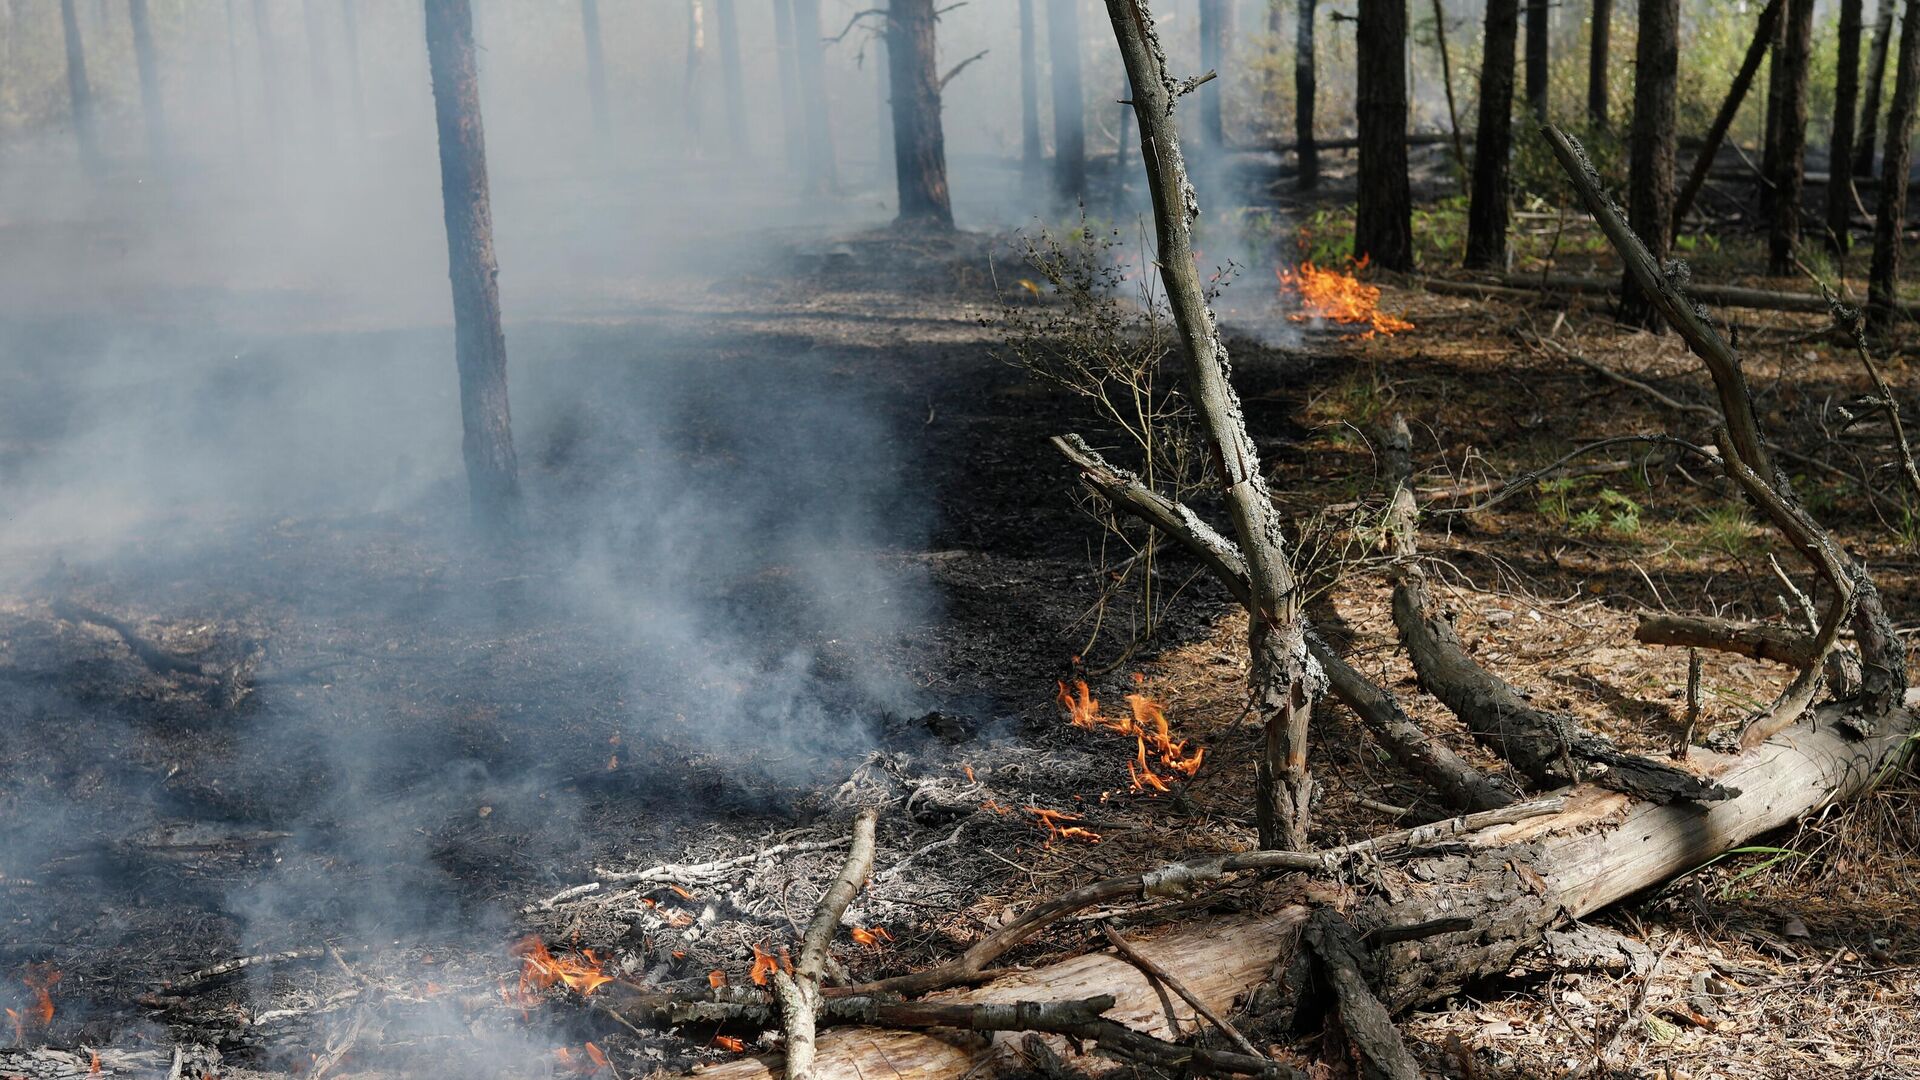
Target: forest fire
point(1155, 748)
point(872, 937)
point(1058, 824)
point(33, 1018)
point(1338, 297)
point(541, 969)
point(766, 963)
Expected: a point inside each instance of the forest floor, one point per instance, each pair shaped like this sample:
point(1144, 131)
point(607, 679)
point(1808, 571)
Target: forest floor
point(436, 742)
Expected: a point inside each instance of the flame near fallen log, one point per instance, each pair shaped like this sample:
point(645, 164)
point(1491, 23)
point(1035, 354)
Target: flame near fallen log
point(1339, 297)
point(34, 1018)
point(1158, 757)
point(540, 969)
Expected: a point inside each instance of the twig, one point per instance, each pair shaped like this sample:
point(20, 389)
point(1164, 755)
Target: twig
point(799, 993)
point(1163, 976)
point(240, 963)
point(678, 873)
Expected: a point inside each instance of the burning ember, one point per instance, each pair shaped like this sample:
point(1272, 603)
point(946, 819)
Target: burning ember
point(1338, 297)
point(1056, 824)
point(765, 964)
point(872, 938)
point(730, 1044)
point(34, 1018)
point(540, 969)
point(1158, 756)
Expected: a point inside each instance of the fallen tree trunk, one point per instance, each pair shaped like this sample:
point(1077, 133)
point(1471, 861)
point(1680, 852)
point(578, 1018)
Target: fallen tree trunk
point(1543, 872)
point(1761, 641)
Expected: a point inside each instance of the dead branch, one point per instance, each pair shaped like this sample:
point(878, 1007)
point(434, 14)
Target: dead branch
point(959, 67)
point(1729, 108)
point(1162, 975)
point(1853, 323)
point(799, 992)
point(153, 656)
point(241, 963)
point(1761, 641)
point(679, 873)
point(1337, 957)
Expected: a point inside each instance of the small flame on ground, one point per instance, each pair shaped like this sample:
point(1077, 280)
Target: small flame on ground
point(871, 937)
point(765, 964)
point(540, 969)
point(1056, 824)
point(730, 1044)
point(1155, 748)
point(1338, 297)
point(34, 1018)
point(716, 979)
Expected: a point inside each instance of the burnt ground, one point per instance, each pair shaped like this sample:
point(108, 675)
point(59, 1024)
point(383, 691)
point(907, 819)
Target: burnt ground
point(401, 744)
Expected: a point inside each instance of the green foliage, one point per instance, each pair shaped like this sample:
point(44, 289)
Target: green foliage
point(1610, 510)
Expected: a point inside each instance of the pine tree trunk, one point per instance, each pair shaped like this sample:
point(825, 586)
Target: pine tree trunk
point(1783, 233)
point(1216, 22)
point(79, 90)
point(1890, 213)
point(1867, 130)
point(821, 178)
point(356, 90)
point(480, 348)
point(727, 28)
point(1030, 149)
point(919, 146)
point(1383, 214)
point(1493, 143)
point(149, 65)
point(1538, 13)
point(1069, 103)
point(1305, 92)
point(1846, 94)
point(596, 65)
point(1777, 71)
point(1651, 144)
point(789, 72)
point(1599, 41)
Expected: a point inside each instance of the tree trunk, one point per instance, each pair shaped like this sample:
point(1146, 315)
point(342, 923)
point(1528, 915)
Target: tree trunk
point(789, 71)
point(1383, 214)
point(1651, 143)
point(1216, 29)
point(1599, 41)
point(596, 66)
point(821, 179)
point(1305, 91)
point(1493, 141)
point(1783, 233)
point(1030, 150)
point(1446, 83)
point(1069, 102)
point(919, 146)
point(1538, 13)
point(356, 90)
point(1867, 130)
point(692, 104)
point(1846, 94)
point(727, 28)
point(1119, 193)
point(480, 348)
point(269, 71)
point(79, 90)
point(1763, 32)
point(149, 65)
point(1890, 211)
point(1777, 71)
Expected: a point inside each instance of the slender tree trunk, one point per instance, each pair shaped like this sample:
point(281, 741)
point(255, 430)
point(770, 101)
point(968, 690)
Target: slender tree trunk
point(1867, 129)
point(1783, 233)
point(884, 164)
point(320, 70)
point(1846, 93)
point(1305, 92)
point(1216, 23)
point(1069, 102)
point(1119, 194)
point(149, 65)
point(692, 104)
point(1777, 72)
point(1890, 213)
point(726, 27)
point(1763, 31)
point(596, 66)
point(919, 145)
point(1538, 13)
point(79, 90)
point(480, 348)
point(1030, 150)
point(821, 179)
point(1446, 81)
point(1651, 145)
point(1599, 41)
point(350, 22)
point(789, 71)
point(1383, 214)
point(1493, 143)
point(269, 70)
point(1284, 679)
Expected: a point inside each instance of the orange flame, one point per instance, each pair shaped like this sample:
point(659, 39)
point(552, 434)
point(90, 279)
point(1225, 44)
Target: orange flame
point(716, 978)
point(1338, 297)
point(1054, 822)
point(540, 969)
point(1155, 748)
point(871, 938)
point(730, 1044)
point(598, 1056)
point(93, 1069)
point(765, 964)
point(40, 979)
point(1083, 709)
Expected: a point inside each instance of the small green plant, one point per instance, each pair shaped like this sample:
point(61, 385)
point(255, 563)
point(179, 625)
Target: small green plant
point(1623, 514)
point(1727, 529)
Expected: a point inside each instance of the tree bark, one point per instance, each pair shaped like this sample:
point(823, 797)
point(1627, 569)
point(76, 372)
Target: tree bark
point(919, 145)
point(789, 71)
point(1383, 214)
point(1846, 94)
point(1446, 83)
point(1763, 32)
point(1305, 92)
point(1030, 150)
point(596, 66)
point(1538, 90)
point(1599, 42)
point(1867, 130)
point(1783, 232)
point(1493, 141)
point(1777, 69)
point(1650, 145)
point(356, 89)
point(1069, 104)
point(1284, 680)
point(79, 90)
point(149, 65)
point(1890, 211)
point(821, 178)
point(1216, 29)
point(480, 348)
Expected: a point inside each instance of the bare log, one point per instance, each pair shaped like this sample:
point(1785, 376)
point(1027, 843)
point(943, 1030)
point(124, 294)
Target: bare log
point(1762, 641)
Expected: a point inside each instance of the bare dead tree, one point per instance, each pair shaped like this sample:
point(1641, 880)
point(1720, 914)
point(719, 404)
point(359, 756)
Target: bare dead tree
point(1868, 128)
point(1493, 140)
point(596, 65)
point(149, 65)
point(1305, 92)
point(79, 90)
point(919, 143)
point(1790, 137)
point(1069, 102)
point(1846, 94)
point(480, 348)
point(1890, 215)
point(1538, 29)
point(1599, 44)
point(1763, 33)
point(1383, 209)
point(1651, 144)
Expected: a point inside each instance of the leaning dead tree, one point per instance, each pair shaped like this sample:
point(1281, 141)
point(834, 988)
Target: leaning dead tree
point(1729, 109)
